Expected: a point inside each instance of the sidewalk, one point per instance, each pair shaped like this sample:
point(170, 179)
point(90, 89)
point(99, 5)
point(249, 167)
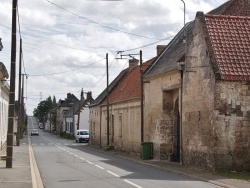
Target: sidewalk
point(19, 176)
point(24, 172)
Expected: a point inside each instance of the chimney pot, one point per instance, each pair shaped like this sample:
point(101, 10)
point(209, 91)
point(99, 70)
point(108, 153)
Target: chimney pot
point(160, 48)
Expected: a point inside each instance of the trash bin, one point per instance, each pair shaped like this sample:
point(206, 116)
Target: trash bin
point(146, 150)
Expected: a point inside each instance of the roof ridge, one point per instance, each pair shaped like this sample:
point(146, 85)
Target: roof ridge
point(225, 16)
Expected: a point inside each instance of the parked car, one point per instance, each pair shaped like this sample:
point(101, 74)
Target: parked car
point(34, 132)
point(40, 125)
point(82, 135)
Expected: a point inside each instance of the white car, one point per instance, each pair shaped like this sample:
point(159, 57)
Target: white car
point(40, 125)
point(34, 132)
point(82, 135)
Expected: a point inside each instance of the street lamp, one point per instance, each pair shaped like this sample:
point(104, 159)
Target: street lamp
point(182, 70)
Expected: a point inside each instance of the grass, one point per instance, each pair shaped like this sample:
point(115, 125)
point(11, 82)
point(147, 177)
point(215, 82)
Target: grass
point(236, 175)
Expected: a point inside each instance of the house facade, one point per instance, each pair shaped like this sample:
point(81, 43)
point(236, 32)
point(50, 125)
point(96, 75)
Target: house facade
point(77, 117)
point(123, 125)
point(62, 108)
point(4, 106)
point(197, 96)
point(98, 135)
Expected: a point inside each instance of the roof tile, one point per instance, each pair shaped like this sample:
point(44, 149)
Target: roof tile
point(230, 39)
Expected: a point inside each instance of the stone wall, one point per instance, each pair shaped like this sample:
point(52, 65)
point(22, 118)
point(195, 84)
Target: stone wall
point(232, 125)
point(198, 102)
point(124, 126)
point(94, 126)
point(161, 95)
point(216, 122)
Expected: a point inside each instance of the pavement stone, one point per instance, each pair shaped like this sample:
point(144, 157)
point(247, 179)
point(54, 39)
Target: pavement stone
point(19, 176)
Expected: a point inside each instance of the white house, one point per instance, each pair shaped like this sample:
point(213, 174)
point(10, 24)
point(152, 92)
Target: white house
point(4, 106)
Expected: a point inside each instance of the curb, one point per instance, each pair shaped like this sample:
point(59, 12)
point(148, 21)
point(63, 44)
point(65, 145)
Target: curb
point(35, 174)
point(167, 169)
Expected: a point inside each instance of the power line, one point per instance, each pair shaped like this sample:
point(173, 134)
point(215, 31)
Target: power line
point(19, 29)
point(50, 74)
point(105, 26)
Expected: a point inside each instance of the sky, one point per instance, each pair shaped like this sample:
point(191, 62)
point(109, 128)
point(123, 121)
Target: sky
point(65, 43)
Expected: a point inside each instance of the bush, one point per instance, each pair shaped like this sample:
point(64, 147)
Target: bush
point(67, 135)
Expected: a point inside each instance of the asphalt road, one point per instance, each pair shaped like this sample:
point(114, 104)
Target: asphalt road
point(63, 163)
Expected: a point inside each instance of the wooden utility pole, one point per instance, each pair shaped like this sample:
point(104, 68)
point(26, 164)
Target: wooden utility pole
point(22, 108)
point(11, 117)
point(142, 97)
point(19, 95)
point(107, 69)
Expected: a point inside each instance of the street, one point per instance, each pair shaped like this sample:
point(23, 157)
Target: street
point(64, 163)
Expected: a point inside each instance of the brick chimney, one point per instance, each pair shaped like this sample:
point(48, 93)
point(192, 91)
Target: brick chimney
point(133, 63)
point(159, 49)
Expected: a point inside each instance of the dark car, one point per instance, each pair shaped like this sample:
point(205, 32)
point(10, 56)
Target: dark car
point(34, 132)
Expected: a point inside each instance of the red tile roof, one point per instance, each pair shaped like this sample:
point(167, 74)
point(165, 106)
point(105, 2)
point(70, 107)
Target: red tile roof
point(129, 88)
point(230, 38)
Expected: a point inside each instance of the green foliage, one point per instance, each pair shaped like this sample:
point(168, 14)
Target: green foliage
point(67, 135)
point(44, 108)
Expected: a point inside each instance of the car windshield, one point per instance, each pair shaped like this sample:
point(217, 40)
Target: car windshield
point(84, 133)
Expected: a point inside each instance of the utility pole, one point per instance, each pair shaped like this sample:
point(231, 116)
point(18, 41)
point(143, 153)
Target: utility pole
point(19, 95)
point(142, 90)
point(142, 97)
point(22, 108)
point(107, 69)
point(11, 117)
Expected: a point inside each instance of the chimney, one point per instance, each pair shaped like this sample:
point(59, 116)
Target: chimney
point(159, 49)
point(68, 95)
point(133, 63)
point(89, 95)
point(82, 97)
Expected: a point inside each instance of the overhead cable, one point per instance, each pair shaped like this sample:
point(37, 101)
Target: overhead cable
point(97, 23)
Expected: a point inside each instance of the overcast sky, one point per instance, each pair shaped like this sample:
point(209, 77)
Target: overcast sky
point(65, 41)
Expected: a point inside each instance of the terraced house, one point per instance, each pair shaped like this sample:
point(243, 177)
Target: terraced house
point(198, 100)
point(196, 96)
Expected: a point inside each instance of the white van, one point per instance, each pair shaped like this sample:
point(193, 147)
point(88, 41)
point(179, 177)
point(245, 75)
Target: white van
point(82, 135)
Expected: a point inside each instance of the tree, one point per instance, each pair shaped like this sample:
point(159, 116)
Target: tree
point(44, 108)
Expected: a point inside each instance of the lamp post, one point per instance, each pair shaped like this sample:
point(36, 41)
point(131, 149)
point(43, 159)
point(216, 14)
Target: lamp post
point(182, 71)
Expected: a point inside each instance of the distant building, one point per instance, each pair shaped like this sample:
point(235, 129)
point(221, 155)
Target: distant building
point(62, 107)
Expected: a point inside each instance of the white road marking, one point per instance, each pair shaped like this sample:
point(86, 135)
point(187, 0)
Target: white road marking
point(113, 174)
point(116, 175)
point(131, 183)
point(99, 167)
point(89, 162)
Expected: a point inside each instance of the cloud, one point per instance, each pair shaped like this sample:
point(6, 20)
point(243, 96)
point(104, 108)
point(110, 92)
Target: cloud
point(71, 44)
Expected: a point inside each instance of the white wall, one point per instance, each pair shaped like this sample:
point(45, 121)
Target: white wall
point(4, 107)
